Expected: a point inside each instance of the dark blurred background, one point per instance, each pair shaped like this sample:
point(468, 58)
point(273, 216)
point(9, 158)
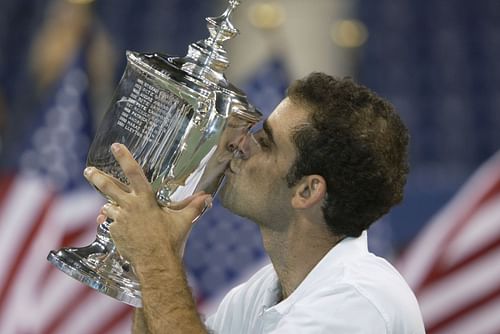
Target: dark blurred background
point(437, 61)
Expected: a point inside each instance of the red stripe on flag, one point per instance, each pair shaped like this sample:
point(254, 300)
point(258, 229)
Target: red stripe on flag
point(23, 249)
point(6, 182)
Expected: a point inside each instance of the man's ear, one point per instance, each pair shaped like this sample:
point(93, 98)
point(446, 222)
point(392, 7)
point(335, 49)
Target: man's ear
point(309, 191)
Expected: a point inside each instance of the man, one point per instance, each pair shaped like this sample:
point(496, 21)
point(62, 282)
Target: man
point(330, 160)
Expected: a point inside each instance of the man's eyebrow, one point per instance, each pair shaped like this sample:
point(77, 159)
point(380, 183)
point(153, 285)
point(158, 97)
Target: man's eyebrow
point(268, 131)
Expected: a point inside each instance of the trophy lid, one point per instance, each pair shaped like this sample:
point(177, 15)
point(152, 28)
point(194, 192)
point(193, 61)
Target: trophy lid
point(202, 69)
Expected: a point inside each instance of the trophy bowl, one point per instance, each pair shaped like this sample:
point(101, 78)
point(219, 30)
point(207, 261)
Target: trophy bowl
point(179, 117)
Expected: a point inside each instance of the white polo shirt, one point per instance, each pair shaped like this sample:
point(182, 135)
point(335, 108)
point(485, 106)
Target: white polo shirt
point(349, 291)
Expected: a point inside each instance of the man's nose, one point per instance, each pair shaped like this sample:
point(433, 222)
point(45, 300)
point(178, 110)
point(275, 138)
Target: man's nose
point(240, 146)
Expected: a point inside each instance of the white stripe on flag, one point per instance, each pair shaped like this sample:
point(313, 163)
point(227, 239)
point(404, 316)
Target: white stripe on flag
point(17, 216)
point(76, 208)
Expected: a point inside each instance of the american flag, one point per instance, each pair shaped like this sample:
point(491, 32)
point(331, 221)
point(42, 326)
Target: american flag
point(44, 204)
point(454, 264)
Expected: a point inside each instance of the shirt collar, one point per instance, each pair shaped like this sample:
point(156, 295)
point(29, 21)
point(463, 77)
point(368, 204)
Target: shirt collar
point(345, 251)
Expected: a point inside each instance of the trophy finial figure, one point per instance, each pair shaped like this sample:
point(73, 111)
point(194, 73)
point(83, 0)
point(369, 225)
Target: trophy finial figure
point(220, 28)
point(207, 59)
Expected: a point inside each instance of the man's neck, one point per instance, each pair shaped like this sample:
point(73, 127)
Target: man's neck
point(296, 251)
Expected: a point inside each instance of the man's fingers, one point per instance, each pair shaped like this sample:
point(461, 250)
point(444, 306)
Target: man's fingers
point(107, 185)
point(182, 204)
point(110, 211)
point(101, 218)
point(197, 205)
point(131, 168)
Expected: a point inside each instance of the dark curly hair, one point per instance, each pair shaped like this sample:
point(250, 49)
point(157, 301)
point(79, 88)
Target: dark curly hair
point(357, 142)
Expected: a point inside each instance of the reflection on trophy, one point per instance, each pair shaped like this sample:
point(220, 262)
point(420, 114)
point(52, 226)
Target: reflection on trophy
point(178, 116)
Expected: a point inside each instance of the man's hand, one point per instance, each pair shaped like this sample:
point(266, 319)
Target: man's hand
point(152, 239)
point(140, 226)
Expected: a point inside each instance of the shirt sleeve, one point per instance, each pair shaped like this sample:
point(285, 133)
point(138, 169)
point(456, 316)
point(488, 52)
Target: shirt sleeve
point(340, 310)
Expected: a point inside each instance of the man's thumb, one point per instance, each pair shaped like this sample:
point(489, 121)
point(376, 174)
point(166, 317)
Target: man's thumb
point(197, 206)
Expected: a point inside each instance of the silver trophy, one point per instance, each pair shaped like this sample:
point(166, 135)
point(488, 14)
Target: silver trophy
point(179, 117)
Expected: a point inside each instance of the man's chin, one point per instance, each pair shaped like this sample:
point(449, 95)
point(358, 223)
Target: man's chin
point(229, 198)
point(225, 194)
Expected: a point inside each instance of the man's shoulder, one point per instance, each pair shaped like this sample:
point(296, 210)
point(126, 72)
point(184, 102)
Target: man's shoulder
point(376, 278)
point(365, 294)
point(373, 281)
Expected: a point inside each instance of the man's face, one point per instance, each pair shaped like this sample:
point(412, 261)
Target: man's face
point(255, 185)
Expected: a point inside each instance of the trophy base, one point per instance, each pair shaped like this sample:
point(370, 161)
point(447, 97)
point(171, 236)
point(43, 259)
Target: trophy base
point(99, 270)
